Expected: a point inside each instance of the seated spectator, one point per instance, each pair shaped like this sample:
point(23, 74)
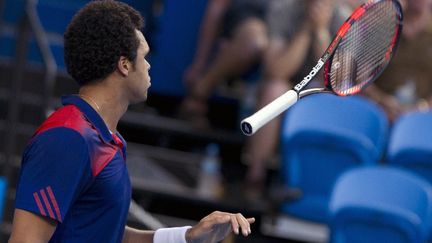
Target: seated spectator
point(236, 28)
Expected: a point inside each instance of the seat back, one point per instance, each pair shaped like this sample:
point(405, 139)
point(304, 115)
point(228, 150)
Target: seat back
point(410, 144)
point(322, 136)
point(380, 204)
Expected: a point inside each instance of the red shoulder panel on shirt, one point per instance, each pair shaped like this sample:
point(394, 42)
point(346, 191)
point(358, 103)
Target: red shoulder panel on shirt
point(71, 117)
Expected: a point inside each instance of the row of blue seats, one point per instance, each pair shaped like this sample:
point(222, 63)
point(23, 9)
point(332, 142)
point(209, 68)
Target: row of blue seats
point(324, 136)
point(173, 40)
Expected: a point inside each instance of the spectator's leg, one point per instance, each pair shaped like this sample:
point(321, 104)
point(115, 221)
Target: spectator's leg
point(262, 145)
point(235, 57)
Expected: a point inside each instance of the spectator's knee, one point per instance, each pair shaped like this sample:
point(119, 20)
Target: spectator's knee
point(252, 36)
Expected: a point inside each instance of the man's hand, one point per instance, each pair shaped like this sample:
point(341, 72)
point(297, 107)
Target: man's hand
point(217, 225)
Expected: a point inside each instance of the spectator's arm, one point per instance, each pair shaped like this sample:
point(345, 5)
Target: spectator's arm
point(209, 30)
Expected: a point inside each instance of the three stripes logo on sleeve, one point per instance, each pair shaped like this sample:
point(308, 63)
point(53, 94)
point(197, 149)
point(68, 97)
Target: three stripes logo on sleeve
point(46, 202)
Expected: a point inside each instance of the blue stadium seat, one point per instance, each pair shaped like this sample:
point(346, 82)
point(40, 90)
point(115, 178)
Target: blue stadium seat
point(410, 144)
point(380, 204)
point(322, 136)
point(175, 39)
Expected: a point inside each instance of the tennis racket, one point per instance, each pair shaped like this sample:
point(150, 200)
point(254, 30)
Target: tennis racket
point(358, 54)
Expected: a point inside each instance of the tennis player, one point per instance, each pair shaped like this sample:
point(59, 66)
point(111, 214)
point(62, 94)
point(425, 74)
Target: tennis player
point(74, 184)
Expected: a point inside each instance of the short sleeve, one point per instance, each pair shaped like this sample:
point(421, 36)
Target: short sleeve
point(55, 170)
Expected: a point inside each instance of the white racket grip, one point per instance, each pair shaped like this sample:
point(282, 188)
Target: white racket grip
point(252, 123)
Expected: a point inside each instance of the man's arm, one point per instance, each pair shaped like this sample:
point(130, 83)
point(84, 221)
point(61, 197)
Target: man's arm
point(212, 228)
point(28, 227)
point(139, 236)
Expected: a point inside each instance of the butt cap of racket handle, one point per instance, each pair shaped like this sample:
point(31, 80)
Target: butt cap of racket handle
point(254, 122)
point(246, 127)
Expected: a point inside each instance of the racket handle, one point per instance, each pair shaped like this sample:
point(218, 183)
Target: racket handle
point(252, 123)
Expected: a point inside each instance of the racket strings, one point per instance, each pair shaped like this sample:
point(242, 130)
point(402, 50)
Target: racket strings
point(367, 51)
point(377, 47)
point(374, 42)
point(358, 45)
point(361, 54)
point(378, 38)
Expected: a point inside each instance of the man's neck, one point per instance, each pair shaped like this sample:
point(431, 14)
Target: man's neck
point(107, 102)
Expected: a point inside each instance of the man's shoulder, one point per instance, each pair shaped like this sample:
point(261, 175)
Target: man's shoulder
point(67, 117)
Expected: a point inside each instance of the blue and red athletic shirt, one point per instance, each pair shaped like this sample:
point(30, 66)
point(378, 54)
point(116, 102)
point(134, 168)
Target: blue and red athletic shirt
point(74, 172)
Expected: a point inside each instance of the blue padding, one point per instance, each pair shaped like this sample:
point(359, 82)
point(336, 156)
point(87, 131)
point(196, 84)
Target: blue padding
point(56, 15)
point(8, 46)
point(176, 38)
point(380, 204)
point(322, 136)
point(13, 11)
point(3, 191)
point(410, 143)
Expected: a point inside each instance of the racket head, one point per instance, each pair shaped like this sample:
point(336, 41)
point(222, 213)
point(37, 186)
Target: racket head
point(363, 46)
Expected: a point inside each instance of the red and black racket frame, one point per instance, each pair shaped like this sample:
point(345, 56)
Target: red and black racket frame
point(327, 58)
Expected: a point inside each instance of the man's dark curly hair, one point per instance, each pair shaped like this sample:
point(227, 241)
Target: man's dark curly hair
point(97, 36)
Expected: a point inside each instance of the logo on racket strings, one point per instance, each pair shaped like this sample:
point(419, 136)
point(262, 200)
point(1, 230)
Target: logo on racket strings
point(312, 74)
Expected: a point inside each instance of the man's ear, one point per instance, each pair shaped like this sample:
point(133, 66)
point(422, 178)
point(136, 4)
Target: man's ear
point(124, 66)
